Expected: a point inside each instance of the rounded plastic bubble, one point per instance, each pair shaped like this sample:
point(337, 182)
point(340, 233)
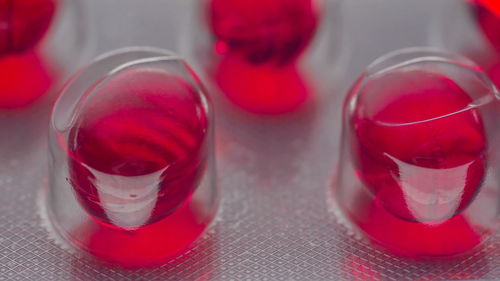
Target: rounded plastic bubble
point(418, 170)
point(131, 141)
point(266, 57)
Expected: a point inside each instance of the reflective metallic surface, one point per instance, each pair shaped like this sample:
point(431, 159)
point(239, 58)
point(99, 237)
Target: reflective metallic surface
point(274, 174)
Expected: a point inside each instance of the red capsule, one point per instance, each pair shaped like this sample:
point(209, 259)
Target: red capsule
point(418, 145)
point(138, 148)
point(23, 23)
point(263, 30)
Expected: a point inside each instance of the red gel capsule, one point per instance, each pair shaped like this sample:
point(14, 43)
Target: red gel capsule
point(417, 171)
point(492, 5)
point(137, 149)
point(23, 23)
point(487, 15)
point(263, 30)
point(449, 237)
point(415, 147)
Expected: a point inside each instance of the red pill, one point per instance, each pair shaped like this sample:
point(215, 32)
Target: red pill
point(23, 23)
point(138, 147)
point(488, 18)
point(492, 5)
point(418, 145)
point(263, 30)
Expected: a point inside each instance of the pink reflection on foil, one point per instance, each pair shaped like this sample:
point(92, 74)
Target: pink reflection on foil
point(420, 153)
point(359, 270)
point(262, 88)
point(452, 236)
point(25, 78)
point(137, 148)
point(147, 246)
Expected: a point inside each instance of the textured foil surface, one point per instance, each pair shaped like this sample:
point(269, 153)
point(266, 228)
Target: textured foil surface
point(274, 174)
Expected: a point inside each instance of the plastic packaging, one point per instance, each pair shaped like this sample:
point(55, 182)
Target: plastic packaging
point(266, 57)
point(132, 167)
point(418, 170)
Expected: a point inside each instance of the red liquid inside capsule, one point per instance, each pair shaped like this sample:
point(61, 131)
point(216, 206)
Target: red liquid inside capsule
point(23, 23)
point(492, 5)
point(488, 17)
point(417, 147)
point(263, 30)
point(137, 148)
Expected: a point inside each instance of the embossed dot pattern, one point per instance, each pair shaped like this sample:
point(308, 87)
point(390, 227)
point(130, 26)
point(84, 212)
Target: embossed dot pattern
point(273, 223)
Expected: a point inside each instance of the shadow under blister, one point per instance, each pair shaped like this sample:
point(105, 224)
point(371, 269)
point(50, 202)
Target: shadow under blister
point(197, 263)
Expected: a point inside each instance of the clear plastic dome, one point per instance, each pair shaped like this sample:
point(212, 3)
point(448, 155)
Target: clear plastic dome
point(132, 167)
point(266, 57)
point(418, 169)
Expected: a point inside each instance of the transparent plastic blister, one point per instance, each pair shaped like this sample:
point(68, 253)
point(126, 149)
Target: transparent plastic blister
point(295, 49)
point(275, 180)
point(417, 169)
point(131, 170)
